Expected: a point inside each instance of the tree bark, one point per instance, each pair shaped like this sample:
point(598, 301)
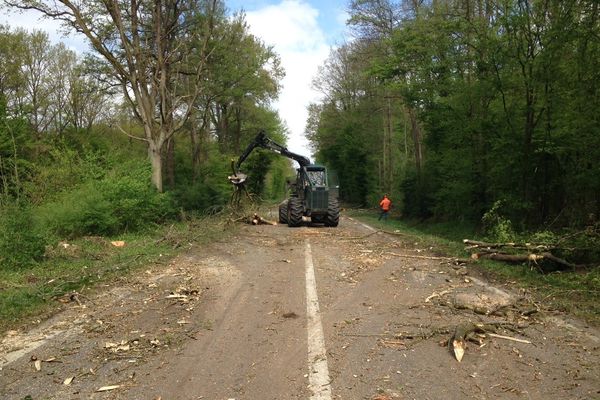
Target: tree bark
point(170, 161)
point(520, 258)
point(157, 164)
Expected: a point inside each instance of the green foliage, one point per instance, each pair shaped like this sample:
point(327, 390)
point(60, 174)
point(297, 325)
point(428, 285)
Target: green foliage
point(344, 145)
point(275, 180)
point(21, 243)
point(496, 226)
point(207, 187)
point(119, 202)
point(15, 168)
point(486, 102)
point(133, 201)
point(80, 211)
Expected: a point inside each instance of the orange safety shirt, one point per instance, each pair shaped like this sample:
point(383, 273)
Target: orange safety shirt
point(385, 204)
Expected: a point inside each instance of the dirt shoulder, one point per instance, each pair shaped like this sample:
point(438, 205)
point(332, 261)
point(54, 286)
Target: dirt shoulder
point(228, 321)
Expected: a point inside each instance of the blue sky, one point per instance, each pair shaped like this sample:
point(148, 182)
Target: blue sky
point(331, 13)
point(302, 32)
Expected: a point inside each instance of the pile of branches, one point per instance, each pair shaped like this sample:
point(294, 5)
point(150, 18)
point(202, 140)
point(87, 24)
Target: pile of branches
point(536, 255)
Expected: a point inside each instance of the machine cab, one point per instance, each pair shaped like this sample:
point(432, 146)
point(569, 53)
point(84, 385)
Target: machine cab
point(315, 188)
point(316, 176)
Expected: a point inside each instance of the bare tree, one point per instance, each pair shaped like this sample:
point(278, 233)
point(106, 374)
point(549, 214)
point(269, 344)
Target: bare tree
point(36, 64)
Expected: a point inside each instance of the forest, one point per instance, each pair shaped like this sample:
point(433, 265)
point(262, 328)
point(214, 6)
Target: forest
point(472, 112)
point(136, 132)
point(468, 109)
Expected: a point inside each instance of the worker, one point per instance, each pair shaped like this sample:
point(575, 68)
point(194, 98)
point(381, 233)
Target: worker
point(385, 204)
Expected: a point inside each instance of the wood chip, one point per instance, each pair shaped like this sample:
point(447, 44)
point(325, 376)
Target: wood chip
point(459, 349)
point(176, 296)
point(107, 388)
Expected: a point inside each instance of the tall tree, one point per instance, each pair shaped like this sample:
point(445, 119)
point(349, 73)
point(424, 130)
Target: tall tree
point(148, 45)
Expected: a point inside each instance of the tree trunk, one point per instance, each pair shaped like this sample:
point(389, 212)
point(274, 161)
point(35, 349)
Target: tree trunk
point(170, 161)
point(195, 141)
point(157, 168)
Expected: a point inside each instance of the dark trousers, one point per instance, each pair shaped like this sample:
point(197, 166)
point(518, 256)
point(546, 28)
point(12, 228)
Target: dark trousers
point(383, 214)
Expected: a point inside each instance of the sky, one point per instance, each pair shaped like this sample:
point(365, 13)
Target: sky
point(302, 32)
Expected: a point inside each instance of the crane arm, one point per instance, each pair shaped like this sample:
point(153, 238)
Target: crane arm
point(262, 140)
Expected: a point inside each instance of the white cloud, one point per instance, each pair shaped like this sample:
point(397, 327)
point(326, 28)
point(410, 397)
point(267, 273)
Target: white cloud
point(291, 28)
point(32, 20)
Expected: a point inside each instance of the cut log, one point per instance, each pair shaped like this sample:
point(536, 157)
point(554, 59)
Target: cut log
point(258, 220)
point(474, 244)
point(520, 258)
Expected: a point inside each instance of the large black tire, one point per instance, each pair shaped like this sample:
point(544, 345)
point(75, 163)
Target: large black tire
point(283, 212)
point(294, 216)
point(333, 213)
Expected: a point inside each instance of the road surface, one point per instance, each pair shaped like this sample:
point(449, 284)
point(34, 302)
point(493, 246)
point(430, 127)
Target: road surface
point(309, 313)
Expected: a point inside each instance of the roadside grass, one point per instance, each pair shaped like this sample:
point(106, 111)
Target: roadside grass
point(87, 263)
point(574, 292)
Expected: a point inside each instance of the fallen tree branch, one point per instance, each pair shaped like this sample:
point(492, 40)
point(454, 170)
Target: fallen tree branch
point(454, 259)
point(396, 233)
point(457, 343)
point(508, 338)
point(258, 220)
point(436, 294)
point(359, 237)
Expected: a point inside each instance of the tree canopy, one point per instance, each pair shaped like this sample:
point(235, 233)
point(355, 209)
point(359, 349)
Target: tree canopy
point(459, 106)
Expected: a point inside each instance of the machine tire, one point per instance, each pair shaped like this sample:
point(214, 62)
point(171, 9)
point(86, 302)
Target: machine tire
point(333, 213)
point(283, 212)
point(294, 216)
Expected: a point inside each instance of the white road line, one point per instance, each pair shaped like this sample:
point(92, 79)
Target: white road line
point(368, 227)
point(364, 225)
point(318, 372)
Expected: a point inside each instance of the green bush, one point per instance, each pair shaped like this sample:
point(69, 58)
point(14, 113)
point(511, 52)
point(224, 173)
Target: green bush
point(134, 201)
point(81, 211)
point(497, 227)
point(199, 196)
point(208, 190)
point(21, 244)
point(114, 204)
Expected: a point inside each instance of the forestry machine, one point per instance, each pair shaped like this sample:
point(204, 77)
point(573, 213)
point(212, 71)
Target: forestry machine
point(309, 194)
